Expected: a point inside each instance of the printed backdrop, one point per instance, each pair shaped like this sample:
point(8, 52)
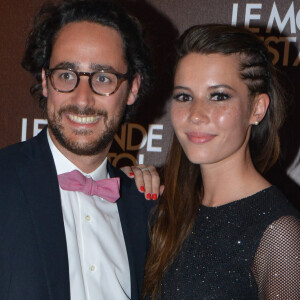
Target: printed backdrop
point(146, 139)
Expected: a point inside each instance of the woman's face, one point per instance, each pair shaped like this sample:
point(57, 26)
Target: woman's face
point(210, 111)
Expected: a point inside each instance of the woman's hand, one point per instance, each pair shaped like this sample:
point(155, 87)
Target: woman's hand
point(147, 180)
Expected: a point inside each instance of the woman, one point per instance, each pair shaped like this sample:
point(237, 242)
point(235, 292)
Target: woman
point(221, 230)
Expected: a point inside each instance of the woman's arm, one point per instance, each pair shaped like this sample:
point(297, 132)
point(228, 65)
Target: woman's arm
point(276, 265)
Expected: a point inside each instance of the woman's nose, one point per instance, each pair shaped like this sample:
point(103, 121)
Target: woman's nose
point(199, 111)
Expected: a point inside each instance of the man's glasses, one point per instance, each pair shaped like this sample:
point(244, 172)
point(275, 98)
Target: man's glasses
point(102, 82)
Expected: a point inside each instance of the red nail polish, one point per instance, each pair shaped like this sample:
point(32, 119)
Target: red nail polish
point(148, 196)
point(142, 189)
point(131, 174)
point(154, 196)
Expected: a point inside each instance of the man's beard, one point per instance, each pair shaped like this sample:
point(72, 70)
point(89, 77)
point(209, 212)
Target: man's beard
point(93, 147)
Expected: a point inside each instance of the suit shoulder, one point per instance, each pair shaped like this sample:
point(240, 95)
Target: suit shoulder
point(21, 151)
point(10, 151)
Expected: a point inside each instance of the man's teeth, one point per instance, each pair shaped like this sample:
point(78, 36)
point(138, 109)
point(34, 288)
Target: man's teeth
point(83, 120)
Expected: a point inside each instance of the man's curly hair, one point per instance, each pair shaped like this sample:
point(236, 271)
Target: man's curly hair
point(51, 18)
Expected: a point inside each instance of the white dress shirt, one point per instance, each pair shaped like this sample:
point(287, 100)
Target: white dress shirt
point(98, 262)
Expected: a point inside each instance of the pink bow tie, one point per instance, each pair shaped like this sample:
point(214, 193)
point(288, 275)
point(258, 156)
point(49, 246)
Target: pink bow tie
point(107, 189)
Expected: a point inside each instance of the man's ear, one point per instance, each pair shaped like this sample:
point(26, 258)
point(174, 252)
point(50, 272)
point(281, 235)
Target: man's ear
point(260, 107)
point(135, 86)
point(44, 84)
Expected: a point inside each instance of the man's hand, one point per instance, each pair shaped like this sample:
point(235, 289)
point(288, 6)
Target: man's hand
point(147, 180)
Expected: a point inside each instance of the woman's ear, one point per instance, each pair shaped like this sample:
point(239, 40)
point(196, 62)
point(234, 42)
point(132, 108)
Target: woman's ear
point(135, 86)
point(260, 107)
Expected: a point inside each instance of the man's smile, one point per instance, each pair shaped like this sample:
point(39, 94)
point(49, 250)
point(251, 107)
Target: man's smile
point(83, 120)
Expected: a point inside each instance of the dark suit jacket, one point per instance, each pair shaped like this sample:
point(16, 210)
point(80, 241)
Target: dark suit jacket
point(33, 250)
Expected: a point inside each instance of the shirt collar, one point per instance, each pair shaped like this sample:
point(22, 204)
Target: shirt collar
point(63, 165)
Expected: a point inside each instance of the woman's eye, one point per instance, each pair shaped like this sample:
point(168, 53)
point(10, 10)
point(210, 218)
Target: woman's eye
point(182, 97)
point(219, 96)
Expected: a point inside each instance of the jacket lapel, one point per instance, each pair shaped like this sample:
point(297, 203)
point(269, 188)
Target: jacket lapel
point(123, 205)
point(39, 180)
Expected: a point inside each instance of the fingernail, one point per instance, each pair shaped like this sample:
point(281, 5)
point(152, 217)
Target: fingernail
point(142, 189)
point(148, 196)
point(154, 196)
point(131, 174)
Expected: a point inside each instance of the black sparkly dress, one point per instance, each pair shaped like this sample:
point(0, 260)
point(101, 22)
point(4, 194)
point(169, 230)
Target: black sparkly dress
point(247, 249)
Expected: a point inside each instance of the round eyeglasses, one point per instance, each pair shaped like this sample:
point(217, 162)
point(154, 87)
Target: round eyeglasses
point(103, 82)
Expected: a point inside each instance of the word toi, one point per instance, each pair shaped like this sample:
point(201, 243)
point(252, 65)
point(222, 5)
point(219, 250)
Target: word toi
point(134, 137)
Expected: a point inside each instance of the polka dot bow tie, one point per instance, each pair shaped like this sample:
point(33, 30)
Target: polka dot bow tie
point(107, 189)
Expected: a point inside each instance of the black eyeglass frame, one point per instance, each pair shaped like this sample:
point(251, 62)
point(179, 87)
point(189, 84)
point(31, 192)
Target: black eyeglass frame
point(120, 78)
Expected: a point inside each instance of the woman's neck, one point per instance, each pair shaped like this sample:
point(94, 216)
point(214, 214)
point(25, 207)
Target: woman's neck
point(230, 180)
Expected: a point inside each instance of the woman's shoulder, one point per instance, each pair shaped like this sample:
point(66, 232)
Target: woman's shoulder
point(268, 210)
point(258, 211)
point(271, 202)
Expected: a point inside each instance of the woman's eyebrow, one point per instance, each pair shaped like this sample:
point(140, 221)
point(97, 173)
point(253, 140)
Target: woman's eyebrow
point(222, 86)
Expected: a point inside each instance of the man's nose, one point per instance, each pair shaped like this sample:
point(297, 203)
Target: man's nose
point(83, 95)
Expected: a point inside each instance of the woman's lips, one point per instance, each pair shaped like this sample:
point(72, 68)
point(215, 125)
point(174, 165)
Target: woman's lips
point(199, 137)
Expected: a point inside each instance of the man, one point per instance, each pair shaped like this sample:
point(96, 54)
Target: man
point(58, 242)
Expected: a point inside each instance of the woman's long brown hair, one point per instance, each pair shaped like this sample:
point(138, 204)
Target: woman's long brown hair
point(178, 207)
point(174, 216)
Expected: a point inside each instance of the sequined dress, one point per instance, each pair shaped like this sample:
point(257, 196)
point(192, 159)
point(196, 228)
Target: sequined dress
point(247, 249)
